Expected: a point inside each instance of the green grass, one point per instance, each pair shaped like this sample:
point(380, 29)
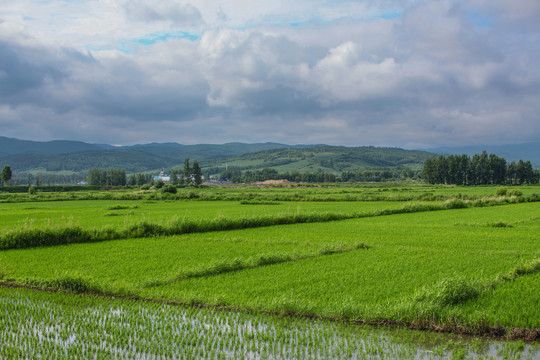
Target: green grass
point(27, 234)
point(409, 255)
point(516, 301)
point(94, 213)
point(261, 253)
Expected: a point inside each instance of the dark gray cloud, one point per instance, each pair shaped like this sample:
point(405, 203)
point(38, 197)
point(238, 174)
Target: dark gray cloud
point(23, 70)
point(66, 81)
point(177, 14)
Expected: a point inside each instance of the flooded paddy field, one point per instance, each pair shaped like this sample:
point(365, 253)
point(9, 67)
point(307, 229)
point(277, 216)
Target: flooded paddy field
point(36, 324)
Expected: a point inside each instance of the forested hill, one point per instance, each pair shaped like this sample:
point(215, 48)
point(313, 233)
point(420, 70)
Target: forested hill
point(56, 156)
point(12, 146)
point(24, 155)
point(325, 158)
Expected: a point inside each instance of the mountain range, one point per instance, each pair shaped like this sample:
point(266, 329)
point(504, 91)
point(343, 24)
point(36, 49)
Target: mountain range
point(77, 156)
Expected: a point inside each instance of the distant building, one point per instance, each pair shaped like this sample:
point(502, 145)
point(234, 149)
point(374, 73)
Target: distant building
point(163, 177)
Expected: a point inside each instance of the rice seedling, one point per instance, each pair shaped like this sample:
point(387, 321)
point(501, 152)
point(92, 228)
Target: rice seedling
point(56, 325)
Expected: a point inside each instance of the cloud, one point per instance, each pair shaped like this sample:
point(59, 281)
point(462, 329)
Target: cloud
point(22, 70)
point(343, 76)
point(158, 11)
point(387, 73)
point(520, 14)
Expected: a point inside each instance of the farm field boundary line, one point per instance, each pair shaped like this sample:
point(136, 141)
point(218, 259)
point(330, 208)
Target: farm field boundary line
point(252, 263)
point(423, 307)
point(492, 332)
point(27, 238)
point(202, 195)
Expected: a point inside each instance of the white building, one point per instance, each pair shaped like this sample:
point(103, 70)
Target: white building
point(162, 177)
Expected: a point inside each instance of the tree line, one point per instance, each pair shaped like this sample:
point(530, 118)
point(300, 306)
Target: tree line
point(103, 177)
point(188, 175)
point(481, 169)
point(178, 176)
point(235, 175)
point(109, 177)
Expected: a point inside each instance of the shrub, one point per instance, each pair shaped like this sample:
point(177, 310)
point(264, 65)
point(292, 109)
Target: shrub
point(455, 204)
point(159, 184)
point(501, 191)
point(171, 189)
point(500, 224)
point(451, 292)
point(515, 192)
point(145, 187)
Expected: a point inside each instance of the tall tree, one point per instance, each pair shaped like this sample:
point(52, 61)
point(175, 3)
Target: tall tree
point(174, 177)
point(511, 173)
point(530, 176)
point(187, 171)
point(520, 172)
point(6, 174)
point(197, 173)
point(429, 171)
point(116, 177)
point(132, 180)
point(464, 169)
point(442, 170)
point(97, 177)
point(141, 179)
point(497, 168)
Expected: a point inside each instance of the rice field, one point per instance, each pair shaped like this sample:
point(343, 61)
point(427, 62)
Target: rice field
point(300, 274)
point(122, 213)
point(56, 325)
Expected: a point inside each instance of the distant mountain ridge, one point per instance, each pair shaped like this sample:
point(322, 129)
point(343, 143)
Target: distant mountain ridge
point(12, 146)
point(77, 156)
point(63, 155)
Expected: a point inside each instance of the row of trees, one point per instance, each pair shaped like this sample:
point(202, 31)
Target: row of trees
point(109, 177)
point(235, 175)
point(481, 169)
point(178, 176)
point(39, 179)
point(187, 175)
point(140, 179)
point(117, 177)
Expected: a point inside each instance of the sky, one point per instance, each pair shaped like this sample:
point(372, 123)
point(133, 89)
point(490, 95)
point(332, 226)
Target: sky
point(399, 73)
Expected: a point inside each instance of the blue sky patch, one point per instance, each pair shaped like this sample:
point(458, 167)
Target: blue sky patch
point(158, 37)
point(480, 20)
point(128, 46)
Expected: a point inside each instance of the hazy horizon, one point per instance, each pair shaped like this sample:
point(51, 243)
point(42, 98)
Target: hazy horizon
point(410, 74)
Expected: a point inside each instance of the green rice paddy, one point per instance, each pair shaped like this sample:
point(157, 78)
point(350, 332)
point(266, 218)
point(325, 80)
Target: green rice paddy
point(469, 267)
